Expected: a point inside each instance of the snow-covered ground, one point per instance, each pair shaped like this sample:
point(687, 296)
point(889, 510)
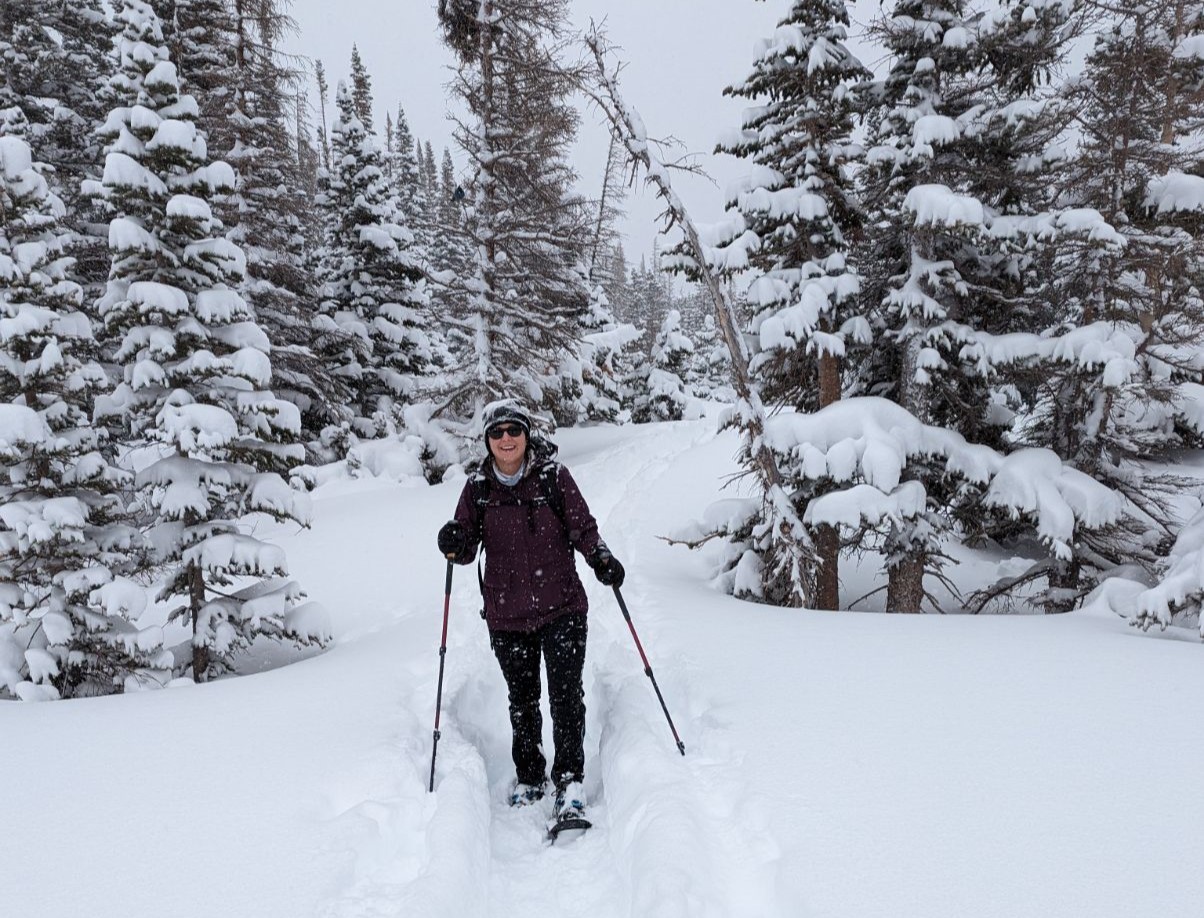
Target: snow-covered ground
point(839, 765)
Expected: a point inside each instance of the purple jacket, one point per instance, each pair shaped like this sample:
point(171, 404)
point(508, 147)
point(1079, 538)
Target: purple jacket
point(530, 571)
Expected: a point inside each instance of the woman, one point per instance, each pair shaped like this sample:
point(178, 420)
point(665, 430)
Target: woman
point(525, 510)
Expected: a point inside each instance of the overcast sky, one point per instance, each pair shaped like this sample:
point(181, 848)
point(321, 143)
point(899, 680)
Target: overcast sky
point(680, 55)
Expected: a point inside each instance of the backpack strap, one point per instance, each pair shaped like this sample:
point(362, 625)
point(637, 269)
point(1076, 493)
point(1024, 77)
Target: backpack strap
point(549, 484)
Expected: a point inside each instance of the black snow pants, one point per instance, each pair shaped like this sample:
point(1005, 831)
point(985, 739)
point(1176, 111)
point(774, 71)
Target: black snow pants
point(561, 643)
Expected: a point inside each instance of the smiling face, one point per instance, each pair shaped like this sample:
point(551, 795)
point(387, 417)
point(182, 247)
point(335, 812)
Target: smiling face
point(508, 449)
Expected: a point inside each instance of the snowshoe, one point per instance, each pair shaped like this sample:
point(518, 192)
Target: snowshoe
point(526, 794)
point(568, 818)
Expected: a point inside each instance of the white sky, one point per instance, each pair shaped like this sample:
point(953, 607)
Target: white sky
point(680, 55)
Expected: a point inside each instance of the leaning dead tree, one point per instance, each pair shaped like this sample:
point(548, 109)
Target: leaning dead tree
point(786, 552)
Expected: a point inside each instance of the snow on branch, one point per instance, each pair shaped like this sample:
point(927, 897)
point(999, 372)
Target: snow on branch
point(868, 443)
point(1175, 192)
point(1180, 593)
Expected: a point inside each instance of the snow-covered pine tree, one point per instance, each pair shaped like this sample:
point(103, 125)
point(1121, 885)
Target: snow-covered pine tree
point(1140, 301)
point(371, 327)
point(796, 209)
point(617, 282)
point(918, 189)
point(651, 298)
point(308, 153)
point(958, 184)
point(323, 92)
point(270, 216)
point(66, 543)
point(405, 174)
point(712, 364)
point(195, 369)
point(663, 390)
point(361, 90)
point(528, 229)
point(450, 262)
point(55, 59)
point(430, 187)
point(205, 57)
point(792, 218)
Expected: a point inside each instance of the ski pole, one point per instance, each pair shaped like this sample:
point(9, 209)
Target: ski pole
point(648, 670)
point(442, 657)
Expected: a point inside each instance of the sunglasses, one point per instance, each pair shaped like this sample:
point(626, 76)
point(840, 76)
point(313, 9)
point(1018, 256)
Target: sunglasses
point(510, 430)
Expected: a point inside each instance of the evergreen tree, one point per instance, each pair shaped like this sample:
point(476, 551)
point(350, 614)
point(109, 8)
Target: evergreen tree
point(66, 611)
point(663, 389)
point(308, 154)
point(373, 294)
point(1137, 298)
point(650, 299)
point(528, 230)
point(963, 146)
point(55, 59)
point(406, 176)
point(796, 210)
point(794, 215)
point(922, 160)
point(205, 57)
point(361, 89)
point(430, 188)
point(270, 213)
point(195, 368)
point(617, 282)
point(605, 361)
point(323, 92)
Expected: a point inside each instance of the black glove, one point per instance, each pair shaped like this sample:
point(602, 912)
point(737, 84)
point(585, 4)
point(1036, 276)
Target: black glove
point(452, 539)
point(607, 568)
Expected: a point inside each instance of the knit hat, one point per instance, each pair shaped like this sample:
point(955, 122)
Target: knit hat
point(506, 411)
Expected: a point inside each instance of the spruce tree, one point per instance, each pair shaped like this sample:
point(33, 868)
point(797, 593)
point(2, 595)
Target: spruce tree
point(405, 174)
point(205, 56)
point(66, 612)
point(663, 389)
point(430, 188)
point(528, 230)
point(195, 369)
point(795, 214)
point(270, 217)
point(361, 89)
point(373, 295)
point(56, 59)
point(1140, 301)
point(964, 147)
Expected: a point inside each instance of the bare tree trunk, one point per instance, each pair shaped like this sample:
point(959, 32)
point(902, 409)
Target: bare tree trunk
point(1064, 584)
point(792, 546)
point(905, 585)
point(827, 538)
point(603, 201)
point(196, 595)
point(1172, 84)
point(827, 571)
